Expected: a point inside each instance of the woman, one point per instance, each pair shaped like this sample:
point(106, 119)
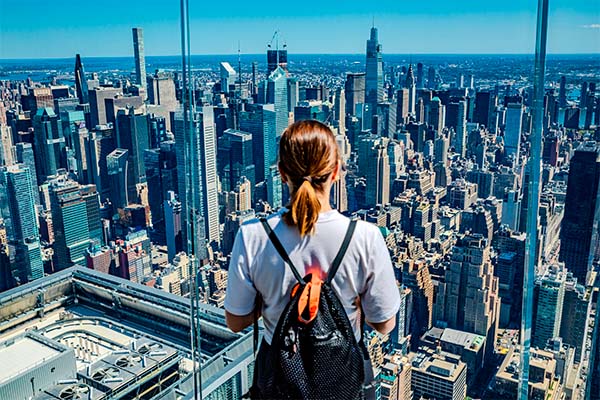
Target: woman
point(311, 233)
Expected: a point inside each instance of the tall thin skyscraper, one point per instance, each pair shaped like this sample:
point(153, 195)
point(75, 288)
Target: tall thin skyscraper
point(412, 90)
point(140, 58)
point(17, 208)
point(562, 93)
point(80, 82)
point(374, 71)
point(579, 232)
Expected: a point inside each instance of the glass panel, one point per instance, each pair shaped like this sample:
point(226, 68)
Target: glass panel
point(125, 179)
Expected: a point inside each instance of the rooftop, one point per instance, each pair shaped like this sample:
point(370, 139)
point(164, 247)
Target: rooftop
point(25, 352)
point(102, 318)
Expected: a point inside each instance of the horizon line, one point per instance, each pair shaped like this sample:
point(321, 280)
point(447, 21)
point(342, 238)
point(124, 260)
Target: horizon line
point(307, 54)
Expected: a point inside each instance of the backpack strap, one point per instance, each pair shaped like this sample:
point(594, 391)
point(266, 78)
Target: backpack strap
point(280, 249)
point(341, 252)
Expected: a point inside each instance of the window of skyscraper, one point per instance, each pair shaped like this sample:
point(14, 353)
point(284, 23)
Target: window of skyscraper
point(136, 141)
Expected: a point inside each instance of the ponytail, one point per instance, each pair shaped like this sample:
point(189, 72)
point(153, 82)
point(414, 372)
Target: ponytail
point(304, 208)
point(308, 155)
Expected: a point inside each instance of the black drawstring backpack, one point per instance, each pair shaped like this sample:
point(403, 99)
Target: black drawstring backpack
point(314, 353)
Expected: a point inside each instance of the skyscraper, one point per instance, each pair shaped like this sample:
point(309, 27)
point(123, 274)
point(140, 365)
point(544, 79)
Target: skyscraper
point(562, 94)
point(485, 103)
point(140, 58)
point(402, 105)
point(457, 119)
point(276, 58)
point(117, 165)
point(412, 90)
point(235, 158)
point(228, 76)
point(470, 292)
point(339, 111)
point(161, 90)
point(17, 208)
point(173, 231)
point(89, 194)
point(576, 310)
point(374, 71)
point(437, 114)
point(133, 135)
point(81, 85)
point(70, 222)
point(49, 143)
point(579, 233)
point(25, 156)
point(416, 276)
point(355, 91)
point(259, 120)
point(378, 175)
point(512, 130)
point(197, 186)
point(277, 95)
point(7, 156)
point(548, 305)
point(420, 76)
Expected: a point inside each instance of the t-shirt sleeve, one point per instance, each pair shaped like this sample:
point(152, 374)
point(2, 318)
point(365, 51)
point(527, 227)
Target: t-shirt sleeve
point(241, 293)
point(380, 299)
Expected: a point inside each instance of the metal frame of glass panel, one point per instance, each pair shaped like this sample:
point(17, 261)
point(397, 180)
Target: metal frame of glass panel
point(535, 167)
point(189, 107)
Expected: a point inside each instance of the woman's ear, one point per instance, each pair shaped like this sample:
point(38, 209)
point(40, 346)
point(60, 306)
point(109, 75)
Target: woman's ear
point(336, 171)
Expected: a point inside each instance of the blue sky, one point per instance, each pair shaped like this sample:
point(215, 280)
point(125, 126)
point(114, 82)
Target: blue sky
point(43, 29)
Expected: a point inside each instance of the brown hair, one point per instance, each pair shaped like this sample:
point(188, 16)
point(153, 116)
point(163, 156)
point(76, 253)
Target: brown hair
point(308, 154)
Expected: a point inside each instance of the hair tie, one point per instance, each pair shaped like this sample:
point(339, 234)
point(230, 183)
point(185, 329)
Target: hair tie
point(307, 178)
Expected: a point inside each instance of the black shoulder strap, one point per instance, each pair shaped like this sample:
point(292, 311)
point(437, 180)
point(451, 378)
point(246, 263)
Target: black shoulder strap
point(279, 247)
point(341, 252)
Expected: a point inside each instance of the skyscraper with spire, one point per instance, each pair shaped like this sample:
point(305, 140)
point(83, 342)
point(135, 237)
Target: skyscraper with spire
point(80, 81)
point(374, 71)
point(412, 90)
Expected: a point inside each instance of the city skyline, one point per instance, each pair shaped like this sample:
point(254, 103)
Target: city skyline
point(406, 28)
point(126, 184)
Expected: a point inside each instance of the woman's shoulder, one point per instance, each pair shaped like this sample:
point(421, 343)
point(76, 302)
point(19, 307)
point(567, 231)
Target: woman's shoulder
point(255, 224)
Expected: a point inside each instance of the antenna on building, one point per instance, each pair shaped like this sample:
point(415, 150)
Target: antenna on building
point(239, 65)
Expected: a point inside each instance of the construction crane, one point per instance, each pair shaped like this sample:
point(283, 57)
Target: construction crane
point(275, 38)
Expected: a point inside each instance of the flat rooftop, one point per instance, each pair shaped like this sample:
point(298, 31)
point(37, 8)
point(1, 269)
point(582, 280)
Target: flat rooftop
point(22, 354)
point(97, 315)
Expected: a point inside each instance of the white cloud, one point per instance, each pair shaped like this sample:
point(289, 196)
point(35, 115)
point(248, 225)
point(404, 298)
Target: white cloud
point(591, 26)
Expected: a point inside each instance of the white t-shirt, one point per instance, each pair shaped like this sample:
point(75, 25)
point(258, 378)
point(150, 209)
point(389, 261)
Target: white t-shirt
point(366, 269)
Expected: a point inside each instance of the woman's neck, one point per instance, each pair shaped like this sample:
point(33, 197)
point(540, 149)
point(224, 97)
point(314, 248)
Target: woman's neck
point(325, 203)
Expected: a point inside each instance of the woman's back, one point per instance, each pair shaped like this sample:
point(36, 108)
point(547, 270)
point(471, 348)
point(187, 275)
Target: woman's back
point(365, 271)
point(313, 326)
